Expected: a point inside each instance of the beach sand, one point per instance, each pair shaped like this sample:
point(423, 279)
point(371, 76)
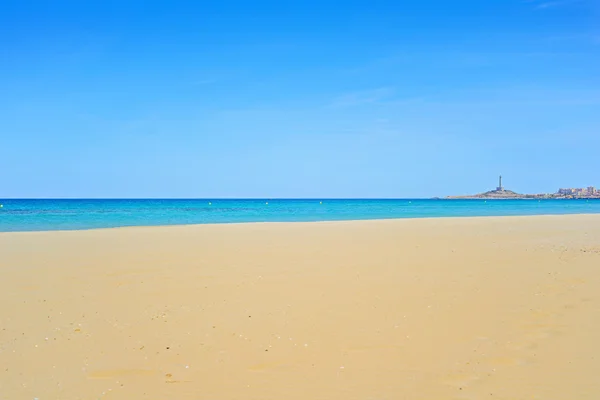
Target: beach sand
point(464, 308)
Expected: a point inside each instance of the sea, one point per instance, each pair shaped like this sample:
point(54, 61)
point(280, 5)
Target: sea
point(76, 214)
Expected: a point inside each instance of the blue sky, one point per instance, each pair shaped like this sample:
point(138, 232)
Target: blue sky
point(297, 99)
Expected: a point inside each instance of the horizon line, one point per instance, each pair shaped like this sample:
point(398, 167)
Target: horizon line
point(220, 198)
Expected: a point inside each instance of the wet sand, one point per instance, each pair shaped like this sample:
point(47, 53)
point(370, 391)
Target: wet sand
point(465, 308)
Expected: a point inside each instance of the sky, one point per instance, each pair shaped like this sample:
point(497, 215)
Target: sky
point(295, 99)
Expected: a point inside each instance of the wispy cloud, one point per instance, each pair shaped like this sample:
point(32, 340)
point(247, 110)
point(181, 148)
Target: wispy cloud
point(362, 97)
point(544, 4)
point(519, 96)
point(549, 4)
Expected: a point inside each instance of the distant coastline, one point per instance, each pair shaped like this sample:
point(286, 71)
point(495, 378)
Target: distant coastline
point(517, 196)
point(501, 193)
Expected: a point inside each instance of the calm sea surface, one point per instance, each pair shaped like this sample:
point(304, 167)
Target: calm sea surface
point(41, 215)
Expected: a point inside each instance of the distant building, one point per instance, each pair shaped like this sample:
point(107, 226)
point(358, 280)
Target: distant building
point(568, 191)
point(581, 192)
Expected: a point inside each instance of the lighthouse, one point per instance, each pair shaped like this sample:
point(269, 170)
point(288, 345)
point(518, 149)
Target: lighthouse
point(500, 188)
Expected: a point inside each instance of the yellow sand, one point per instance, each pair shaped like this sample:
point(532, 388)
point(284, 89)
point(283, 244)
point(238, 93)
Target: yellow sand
point(473, 308)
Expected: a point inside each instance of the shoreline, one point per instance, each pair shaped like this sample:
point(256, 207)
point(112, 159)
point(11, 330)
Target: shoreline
point(344, 221)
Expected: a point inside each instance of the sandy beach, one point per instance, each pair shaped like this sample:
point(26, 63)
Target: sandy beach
point(464, 308)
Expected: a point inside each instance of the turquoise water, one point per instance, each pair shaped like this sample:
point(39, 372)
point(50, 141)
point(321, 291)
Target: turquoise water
point(41, 215)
